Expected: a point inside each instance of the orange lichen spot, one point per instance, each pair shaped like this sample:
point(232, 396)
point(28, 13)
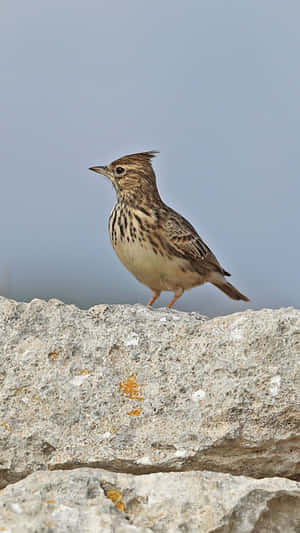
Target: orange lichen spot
point(130, 388)
point(116, 497)
point(50, 524)
point(5, 425)
point(135, 412)
point(54, 355)
point(51, 502)
point(83, 372)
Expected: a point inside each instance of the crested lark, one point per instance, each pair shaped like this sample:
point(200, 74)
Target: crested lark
point(156, 244)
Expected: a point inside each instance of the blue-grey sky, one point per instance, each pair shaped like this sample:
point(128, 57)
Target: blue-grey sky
point(213, 85)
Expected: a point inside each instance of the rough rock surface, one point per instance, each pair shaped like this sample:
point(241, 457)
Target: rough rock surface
point(140, 391)
point(177, 502)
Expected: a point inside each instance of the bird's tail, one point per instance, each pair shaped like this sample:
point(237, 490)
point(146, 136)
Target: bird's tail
point(230, 290)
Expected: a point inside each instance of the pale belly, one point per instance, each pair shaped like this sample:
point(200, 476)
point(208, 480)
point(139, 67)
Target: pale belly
point(154, 270)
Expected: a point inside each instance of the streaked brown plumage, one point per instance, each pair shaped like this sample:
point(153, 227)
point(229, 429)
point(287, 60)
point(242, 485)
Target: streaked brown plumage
point(156, 244)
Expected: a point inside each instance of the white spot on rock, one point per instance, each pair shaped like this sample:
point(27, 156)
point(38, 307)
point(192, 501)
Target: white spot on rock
point(133, 340)
point(105, 435)
point(274, 385)
point(182, 453)
point(78, 380)
point(237, 335)
point(15, 508)
point(144, 460)
point(198, 395)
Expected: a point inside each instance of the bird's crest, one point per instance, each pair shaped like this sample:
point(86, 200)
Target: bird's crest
point(142, 158)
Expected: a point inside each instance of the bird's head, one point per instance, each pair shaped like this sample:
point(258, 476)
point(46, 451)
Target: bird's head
point(131, 175)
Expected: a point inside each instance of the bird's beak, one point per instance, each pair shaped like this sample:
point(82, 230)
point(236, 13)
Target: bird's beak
point(100, 170)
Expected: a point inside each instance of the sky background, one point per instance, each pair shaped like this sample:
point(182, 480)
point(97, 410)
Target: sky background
point(213, 85)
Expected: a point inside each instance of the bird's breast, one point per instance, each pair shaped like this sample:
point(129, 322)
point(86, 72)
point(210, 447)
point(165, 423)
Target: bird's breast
point(137, 242)
point(131, 239)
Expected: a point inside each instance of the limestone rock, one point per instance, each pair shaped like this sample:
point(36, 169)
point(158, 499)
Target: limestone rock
point(92, 500)
point(150, 400)
point(141, 390)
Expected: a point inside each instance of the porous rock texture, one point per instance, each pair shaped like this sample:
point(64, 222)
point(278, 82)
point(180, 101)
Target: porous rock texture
point(123, 418)
point(82, 501)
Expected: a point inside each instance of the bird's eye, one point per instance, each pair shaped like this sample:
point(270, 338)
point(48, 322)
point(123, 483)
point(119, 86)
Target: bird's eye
point(120, 170)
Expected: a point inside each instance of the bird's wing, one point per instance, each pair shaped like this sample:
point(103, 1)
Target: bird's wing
point(185, 242)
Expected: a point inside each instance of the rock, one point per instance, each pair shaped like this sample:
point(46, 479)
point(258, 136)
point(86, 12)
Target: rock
point(138, 390)
point(90, 500)
point(144, 391)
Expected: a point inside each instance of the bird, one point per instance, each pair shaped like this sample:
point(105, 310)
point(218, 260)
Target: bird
point(155, 243)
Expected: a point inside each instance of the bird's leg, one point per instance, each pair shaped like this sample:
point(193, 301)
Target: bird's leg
point(177, 294)
point(155, 295)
